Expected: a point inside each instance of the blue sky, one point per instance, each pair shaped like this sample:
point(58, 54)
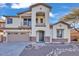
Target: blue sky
point(58, 9)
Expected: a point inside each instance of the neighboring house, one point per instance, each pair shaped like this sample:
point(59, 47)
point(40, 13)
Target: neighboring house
point(33, 26)
point(2, 25)
point(74, 35)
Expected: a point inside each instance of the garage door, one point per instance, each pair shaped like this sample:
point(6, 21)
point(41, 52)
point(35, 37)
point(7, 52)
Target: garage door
point(16, 37)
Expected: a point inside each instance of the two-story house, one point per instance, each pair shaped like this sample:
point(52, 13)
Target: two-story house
point(33, 26)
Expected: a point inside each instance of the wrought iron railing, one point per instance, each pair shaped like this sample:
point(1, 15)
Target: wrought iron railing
point(40, 25)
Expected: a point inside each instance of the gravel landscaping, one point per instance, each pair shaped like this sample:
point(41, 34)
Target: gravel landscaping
point(52, 50)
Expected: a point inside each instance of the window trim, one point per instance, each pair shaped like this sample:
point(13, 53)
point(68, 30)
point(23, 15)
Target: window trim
point(60, 33)
point(9, 21)
point(27, 22)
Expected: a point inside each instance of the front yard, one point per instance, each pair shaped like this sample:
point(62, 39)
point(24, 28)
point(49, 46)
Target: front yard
point(38, 49)
point(52, 50)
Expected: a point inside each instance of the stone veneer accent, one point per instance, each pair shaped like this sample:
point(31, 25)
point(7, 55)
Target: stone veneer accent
point(60, 40)
point(32, 39)
point(47, 39)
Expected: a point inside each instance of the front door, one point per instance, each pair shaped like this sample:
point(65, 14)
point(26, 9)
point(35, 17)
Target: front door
point(41, 36)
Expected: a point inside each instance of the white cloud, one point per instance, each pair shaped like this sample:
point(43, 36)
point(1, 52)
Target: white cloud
point(2, 17)
point(21, 5)
point(53, 15)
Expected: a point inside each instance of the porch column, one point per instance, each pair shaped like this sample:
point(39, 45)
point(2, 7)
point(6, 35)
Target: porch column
point(37, 36)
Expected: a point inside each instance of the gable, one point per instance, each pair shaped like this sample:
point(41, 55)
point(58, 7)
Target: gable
point(61, 24)
point(25, 13)
point(43, 4)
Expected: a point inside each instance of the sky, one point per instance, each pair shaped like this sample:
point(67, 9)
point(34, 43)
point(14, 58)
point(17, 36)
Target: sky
point(58, 9)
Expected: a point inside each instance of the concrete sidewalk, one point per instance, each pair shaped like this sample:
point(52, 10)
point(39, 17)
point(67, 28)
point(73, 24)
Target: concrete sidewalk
point(12, 49)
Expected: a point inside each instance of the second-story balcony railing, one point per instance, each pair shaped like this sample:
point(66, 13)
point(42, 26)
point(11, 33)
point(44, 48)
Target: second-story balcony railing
point(40, 25)
point(25, 25)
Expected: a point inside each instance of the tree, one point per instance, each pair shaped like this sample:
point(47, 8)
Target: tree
point(74, 17)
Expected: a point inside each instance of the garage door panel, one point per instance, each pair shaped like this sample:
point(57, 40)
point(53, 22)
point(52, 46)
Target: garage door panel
point(18, 37)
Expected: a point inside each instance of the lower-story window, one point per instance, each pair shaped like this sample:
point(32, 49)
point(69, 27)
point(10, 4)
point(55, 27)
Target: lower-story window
point(15, 33)
point(23, 33)
point(9, 33)
point(60, 33)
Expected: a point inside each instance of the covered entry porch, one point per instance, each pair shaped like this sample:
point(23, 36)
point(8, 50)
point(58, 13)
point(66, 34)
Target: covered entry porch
point(40, 36)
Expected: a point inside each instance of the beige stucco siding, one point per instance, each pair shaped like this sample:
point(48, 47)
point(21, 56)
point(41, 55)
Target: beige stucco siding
point(66, 34)
point(34, 11)
point(16, 22)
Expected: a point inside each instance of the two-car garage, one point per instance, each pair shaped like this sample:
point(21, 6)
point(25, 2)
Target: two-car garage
point(17, 36)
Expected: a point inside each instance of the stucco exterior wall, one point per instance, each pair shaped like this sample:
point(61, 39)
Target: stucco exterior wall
point(66, 34)
point(34, 28)
point(36, 9)
point(16, 22)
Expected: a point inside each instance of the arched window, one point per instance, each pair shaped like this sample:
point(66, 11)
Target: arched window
point(40, 17)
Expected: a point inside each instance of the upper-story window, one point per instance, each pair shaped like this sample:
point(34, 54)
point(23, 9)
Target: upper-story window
point(40, 16)
point(60, 33)
point(27, 22)
point(41, 20)
point(36, 20)
point(9, 21)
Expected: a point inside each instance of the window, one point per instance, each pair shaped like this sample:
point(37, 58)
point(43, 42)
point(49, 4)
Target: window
point(25, 22)
point(40, 8)
point(36, 20)
point(23, 33)
point(9, 21)
point(15, 33)
point(9, 33)
point(41, 20)
point(29, 22)
point(60, 33)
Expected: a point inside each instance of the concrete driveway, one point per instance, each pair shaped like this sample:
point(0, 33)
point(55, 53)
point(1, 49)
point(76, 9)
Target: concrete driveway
point(11, 49)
